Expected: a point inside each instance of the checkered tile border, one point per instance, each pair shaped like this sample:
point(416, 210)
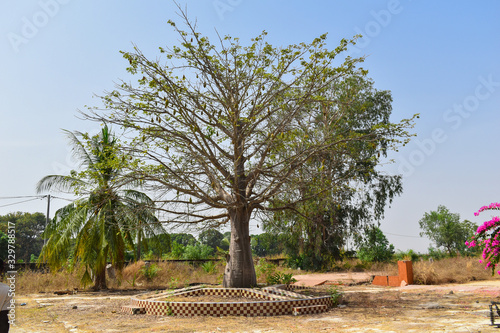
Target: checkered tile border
point(270, 307)
point(284, 293)
point(131, 309)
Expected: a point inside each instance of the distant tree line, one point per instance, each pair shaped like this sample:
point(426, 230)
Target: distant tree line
point(210, 243)
point(443, 227)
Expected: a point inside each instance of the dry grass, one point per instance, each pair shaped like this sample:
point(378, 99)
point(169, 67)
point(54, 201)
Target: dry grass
point(169, 275)
point(32, 281)
point(450, 270)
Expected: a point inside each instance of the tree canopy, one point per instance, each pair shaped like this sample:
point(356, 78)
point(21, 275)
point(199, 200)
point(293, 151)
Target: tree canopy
point(222, 127)
point(345, 187)
point(212, 238)
point(445, 229)
point(374, 246)
point(29, 229)
point(183, 239)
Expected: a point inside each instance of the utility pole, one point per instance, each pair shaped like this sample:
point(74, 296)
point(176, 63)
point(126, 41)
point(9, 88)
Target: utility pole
point(47, 217)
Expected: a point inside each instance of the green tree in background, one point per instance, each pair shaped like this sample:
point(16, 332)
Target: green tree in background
point(374, 246)
point(4, 246)
point(29, 228)
point(107, 217)
point(212, 238)
point(342, 189)
point(198, 252)
point(226, 241)
point(157, 245)
point(183, 239)
point(266, 244)
point(446, 231)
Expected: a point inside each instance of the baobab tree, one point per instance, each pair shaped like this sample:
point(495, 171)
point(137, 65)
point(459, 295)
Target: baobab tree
point(210, 122)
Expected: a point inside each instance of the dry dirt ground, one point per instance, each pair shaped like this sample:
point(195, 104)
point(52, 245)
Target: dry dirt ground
point(366, 308)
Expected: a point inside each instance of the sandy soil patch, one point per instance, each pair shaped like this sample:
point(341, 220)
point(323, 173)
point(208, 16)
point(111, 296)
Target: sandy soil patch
point(450, 308)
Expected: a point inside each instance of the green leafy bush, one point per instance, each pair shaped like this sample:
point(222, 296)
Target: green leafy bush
point(197, 252)
point(437, 254)
point(177, 250)
point(209, 267)
point(150, 271)
point(265, 270)
point(407, 255)
point(374, 246)
point(308, 262)
point(335, 295)
point(281, 278)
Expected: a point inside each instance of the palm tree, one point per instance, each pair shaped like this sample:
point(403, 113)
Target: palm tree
point(106, 218)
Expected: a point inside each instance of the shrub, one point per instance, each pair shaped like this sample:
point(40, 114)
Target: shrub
point(150, 271)
point(265, 270)
point(280, 278)
point(209, 267)
point(177, 250)
point(437, 254)
point(408, 255)
point(374, 246)
point(449, 270)
point(308, 262)
point(197, 252)
point(335, 295)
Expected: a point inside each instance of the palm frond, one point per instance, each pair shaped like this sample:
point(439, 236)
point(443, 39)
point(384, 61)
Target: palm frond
point(58, 183)
point(78, 149)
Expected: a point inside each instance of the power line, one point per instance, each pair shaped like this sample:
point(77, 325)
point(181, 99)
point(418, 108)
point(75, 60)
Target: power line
point(19, 202)
point(70, 200)
point(388, 233)
point(33, 197)
point(36, 197)
point(24, 196)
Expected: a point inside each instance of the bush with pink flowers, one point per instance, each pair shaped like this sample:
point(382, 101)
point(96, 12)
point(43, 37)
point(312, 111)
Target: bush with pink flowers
point(488, 237)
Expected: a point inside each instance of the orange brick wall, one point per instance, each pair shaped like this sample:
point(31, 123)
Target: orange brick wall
point(405, 273)
point(405, 269)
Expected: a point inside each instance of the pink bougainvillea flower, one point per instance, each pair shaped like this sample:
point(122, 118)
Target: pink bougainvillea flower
point(488, 237)
point(493, 205)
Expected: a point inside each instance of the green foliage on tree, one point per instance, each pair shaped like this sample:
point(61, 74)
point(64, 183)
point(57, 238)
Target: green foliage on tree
point(183, 239)
point(156, 246)
point(222, 128)
point(342, 188)
point(446, 231)
point(374, 246)
point(177, 250)
point(4, 246)
point(28, 230)
point(266, 244)
point(212, 238)
point(108, 216)
point(197, 252)
point(226, 241)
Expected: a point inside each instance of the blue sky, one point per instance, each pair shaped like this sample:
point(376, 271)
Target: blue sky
point(439, 59)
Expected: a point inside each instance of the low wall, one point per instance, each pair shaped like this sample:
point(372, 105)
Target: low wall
point(404, 277)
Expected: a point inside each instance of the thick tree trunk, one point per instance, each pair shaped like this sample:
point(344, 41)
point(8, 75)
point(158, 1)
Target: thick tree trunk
point(240, 271)
point(138, 258)
point(100, 280)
